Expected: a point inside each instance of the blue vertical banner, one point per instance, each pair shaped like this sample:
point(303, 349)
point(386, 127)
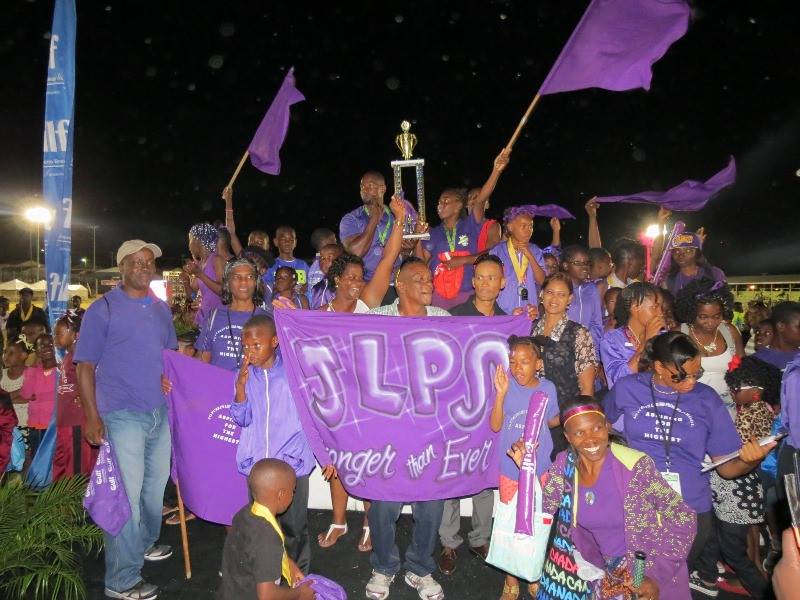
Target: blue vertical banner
point(57, 168)
point(57, 190)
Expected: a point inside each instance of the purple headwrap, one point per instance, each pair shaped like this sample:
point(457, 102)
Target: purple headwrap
point(206, 234)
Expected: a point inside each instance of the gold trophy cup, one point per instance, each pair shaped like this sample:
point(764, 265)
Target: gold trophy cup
point(406, 142)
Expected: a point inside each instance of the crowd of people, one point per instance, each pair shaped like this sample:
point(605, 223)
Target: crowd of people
point(645, 383)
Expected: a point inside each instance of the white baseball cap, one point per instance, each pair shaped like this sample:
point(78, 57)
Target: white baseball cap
point(133, 246)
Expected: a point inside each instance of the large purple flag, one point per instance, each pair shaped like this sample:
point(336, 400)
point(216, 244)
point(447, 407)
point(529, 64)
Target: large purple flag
point(616, 43)
point(266, 145)
point(688, 196)
point(402, 404)
point(204, 438)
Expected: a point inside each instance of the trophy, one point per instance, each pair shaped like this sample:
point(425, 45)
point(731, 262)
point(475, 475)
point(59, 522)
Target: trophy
point(406, 141)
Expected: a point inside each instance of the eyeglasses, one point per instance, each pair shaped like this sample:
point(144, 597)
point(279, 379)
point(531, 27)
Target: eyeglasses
point(140, 264)
point(681, 377)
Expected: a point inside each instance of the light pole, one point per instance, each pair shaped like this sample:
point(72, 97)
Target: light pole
point(94, 246)
point(38, 215)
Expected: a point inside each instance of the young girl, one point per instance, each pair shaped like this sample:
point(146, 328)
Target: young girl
point(284, 288)
point(14, 357)
point(39, 390)
point(73, 454)
point(739, 503)
point(511, 404)
point(523, 260)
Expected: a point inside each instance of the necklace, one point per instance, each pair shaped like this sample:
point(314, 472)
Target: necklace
point(707, 347)
point(27, 315)
point(635, 338)
point(450, 234)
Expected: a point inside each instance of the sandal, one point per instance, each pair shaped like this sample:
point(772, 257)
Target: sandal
point(325, 541)
point(510, 592)
point(365, 545)
point(175, 518)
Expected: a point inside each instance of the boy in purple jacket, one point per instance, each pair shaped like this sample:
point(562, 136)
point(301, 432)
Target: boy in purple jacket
point(264, 409)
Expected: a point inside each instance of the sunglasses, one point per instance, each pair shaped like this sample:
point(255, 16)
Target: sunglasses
point(681, 377)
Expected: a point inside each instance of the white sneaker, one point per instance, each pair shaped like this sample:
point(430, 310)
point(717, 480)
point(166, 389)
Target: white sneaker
point(378, 586)
point(427, 587)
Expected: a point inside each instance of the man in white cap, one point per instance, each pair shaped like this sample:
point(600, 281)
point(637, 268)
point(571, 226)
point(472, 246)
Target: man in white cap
point(119, 383)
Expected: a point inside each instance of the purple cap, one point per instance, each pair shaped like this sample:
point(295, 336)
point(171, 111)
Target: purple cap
point(686, 240)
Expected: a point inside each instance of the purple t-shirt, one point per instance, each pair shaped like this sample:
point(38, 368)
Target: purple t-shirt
point(701, 425)
point(124, 337)
point(299, 265)
point(602, 512)
point(223, 338)
point(777, 358)
point(515, 412)
point(320, 294)
point(677, 283)
point(466, 239)
point(355, 222)
point(509, 297)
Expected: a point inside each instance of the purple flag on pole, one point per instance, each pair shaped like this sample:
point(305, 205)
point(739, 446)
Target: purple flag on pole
point(616, 43)
point(688, 196)
point(266, 145)
point(204, 438)
point(401, 404)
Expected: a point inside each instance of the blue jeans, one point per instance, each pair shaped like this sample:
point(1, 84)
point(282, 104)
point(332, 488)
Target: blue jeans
point(141, 442)
point(385, 556)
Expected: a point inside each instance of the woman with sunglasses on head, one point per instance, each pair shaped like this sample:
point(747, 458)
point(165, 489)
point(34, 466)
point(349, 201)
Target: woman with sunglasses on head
point(677, 421)
point(704, 307)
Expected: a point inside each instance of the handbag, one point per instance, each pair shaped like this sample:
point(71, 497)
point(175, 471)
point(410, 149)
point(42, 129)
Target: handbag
point(324, 588)
point(520, 554)
point(446, 282)
point(106, 500)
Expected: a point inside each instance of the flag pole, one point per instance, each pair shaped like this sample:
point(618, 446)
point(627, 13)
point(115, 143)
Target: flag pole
point(522, 121)
point(239, 168)
point(187, 562)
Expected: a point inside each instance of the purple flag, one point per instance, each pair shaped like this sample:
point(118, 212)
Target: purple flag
point(266, 145)
point(402, 404)
point(688, 196)
point(616, 43)
point(106, 500)
point(552, 210)
point(204, 438)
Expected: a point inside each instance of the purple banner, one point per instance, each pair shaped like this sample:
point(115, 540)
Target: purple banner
point(204, 438)
point(402, 404)
point(616, 43)
point(688, 196)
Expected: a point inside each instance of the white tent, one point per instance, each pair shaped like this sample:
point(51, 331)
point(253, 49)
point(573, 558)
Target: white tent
point(39, 286)
point(13, 285)
point(78, 290)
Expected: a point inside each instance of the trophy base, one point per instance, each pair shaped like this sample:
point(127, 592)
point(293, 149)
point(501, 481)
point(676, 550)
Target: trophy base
point(417, 236)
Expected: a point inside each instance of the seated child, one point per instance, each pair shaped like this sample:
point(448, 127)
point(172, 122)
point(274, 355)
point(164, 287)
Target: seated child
point(254, 560)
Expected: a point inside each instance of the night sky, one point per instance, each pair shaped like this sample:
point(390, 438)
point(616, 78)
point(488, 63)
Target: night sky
point(169, 95)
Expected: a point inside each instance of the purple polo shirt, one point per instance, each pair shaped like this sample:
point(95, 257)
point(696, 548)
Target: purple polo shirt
point(693, 424)
point(466, 239)
point(124, 337)
point(615, 352)
point(677, 283)
point(355, 222)
point(509, 297)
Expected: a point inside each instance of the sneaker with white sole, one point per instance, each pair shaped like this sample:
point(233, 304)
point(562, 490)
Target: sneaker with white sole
point(158, 552)
point(378, 586)
point(427, 587)
point(698, 585)
point(141, 591)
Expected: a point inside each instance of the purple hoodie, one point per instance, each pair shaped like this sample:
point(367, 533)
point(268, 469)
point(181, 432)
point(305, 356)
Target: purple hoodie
point(586, 309)
point(270, 423)
point(790, 402)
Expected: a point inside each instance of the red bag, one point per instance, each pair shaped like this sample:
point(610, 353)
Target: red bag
point(447, 283)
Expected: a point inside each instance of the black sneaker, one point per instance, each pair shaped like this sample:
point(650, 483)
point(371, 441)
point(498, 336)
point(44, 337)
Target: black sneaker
point(698, 585)
point(141, 591)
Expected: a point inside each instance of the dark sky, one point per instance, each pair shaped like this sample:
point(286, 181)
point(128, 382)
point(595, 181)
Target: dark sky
point(169, 95)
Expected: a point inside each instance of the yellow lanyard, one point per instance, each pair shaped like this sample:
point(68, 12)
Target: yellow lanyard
point(519, 266)
point(262, 511)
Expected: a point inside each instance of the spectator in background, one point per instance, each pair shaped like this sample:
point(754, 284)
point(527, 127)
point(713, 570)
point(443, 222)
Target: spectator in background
point(628, 258)
point(76, 306)
point(785, 344)
point(320, 238)
point(23, 312)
